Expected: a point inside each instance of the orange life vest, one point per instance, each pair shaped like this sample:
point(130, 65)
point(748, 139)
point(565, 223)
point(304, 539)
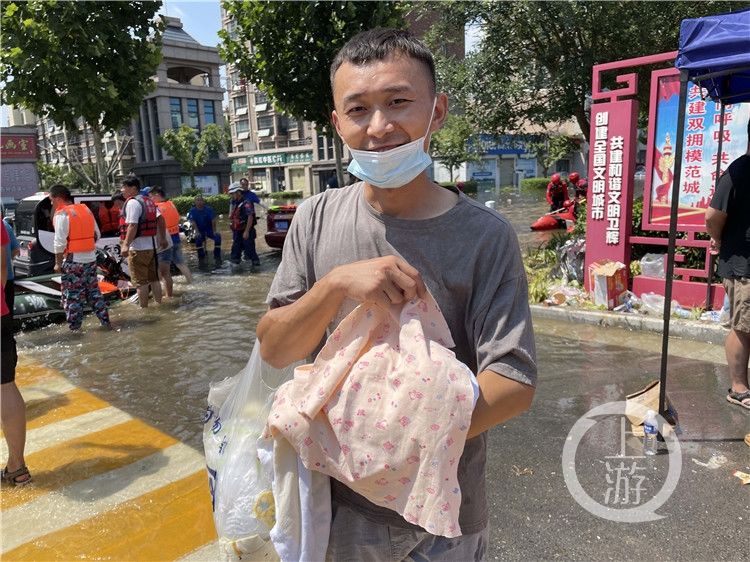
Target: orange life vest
point(147, 221)
point(171, 216)
point(81, 224)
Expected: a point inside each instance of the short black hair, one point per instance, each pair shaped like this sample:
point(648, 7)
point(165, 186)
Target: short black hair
point(132, 181)
point(379, 44)
point(748, 130)
point(59, 190)
point(158, 190)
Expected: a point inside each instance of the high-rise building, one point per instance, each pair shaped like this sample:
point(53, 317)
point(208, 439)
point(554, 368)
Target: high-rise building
point(188, 90)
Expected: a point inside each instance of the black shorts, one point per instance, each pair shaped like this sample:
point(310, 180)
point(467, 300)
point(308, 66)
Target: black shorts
point(8, 350)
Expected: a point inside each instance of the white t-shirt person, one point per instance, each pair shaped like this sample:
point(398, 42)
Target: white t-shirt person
point(133, 211)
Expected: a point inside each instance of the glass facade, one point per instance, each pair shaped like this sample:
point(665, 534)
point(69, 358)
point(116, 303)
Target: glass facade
point(175, 109)
point(192, 114)
point(209, 116)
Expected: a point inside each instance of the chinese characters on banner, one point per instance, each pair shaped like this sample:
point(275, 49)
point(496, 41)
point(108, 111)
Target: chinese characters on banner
point(15, 147)
point(700, 145)
point(612, 162)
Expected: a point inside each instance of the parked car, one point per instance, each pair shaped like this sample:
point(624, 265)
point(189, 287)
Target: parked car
point(278, 219)
point(33, 222)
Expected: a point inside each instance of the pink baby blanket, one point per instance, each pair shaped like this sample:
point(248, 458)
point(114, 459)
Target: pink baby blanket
point(385, 409)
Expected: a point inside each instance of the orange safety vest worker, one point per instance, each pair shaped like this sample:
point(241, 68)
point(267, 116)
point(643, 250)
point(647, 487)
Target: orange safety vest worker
point(171, 216)
point(81, 228)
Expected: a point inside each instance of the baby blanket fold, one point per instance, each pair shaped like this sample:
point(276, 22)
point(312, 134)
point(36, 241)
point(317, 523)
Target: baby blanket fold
point(385, 409)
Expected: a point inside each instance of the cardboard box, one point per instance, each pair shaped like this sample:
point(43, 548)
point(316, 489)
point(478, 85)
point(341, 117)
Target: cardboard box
point(608, 281)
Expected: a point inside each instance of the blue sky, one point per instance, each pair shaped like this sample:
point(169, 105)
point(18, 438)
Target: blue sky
point(201, 19)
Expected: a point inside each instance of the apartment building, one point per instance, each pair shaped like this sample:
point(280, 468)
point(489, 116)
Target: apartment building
point(188, 90)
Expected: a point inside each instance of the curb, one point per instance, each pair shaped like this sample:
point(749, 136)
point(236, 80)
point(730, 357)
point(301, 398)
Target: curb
point(685, 329)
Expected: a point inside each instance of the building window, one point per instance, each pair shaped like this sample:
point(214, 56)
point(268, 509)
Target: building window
point(266, 146)
point(242, 126)
point(563, 165)
point(240, 102)
point(265, 122)
point(321, 148)
point(208, 112)
point(283, 125)
point(192, 113)
point(175, 109)
point(292, 124)
point(260, 97)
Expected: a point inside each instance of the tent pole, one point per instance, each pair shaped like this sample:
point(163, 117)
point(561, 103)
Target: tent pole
point(676, 180)
point(711, 257)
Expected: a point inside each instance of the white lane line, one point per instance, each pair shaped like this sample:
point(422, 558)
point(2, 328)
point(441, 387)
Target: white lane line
point(45, 389)
point(88, 498)
point(71, 428)
point(208, 553)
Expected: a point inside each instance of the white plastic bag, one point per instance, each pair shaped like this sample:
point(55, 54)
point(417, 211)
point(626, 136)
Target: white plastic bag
point(240, 493)
point(652, 265)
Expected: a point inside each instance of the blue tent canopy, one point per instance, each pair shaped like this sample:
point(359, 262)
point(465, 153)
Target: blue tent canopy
point(718, 46)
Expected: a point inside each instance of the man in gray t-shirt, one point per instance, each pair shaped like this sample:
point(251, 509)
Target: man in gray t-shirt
point(390, 238)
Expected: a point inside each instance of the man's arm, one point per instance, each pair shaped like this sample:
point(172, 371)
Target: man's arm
point(500, 399)
point(60, 240)
point(161, 232)
point(715, 222)
point(290, 333)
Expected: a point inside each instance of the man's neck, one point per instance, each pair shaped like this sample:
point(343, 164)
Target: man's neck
point(419, 199)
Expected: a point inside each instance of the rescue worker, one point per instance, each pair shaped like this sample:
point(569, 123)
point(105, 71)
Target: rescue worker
point(581, 190)
point(166, 258)
point(139, 231)
point(242, 220)
point(204, 222)
point(557, 192)
point(76, 233)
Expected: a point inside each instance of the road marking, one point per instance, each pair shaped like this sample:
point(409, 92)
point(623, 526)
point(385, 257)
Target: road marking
point(59, 407)
point(87, 456)
point(65, 430)
point(165, 524)
point(82, 500)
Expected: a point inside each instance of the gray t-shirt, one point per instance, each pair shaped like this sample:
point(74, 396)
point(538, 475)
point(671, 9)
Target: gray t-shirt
point(469, 259)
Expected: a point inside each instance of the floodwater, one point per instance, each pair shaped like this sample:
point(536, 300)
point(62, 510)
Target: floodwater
point(157, 367)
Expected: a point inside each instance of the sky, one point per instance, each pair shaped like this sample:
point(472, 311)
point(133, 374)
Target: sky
point(201, 19)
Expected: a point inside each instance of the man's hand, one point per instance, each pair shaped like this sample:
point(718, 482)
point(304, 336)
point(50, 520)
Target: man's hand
point(387, 280)
point(124, 249)
point(245, 235)
point(57, 268)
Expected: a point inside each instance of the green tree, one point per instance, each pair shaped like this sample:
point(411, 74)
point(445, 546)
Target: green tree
point(286, 49)
point(451, 143)
point(534, 61)
point(549, 150)
point(191, 149)
point(73, 61)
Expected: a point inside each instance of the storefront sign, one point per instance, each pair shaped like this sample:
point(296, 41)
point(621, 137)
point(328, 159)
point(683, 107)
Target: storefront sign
point(17, 147)
point(700, 145)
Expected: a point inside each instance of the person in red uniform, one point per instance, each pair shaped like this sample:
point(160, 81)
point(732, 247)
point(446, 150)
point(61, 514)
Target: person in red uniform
point(557, 192)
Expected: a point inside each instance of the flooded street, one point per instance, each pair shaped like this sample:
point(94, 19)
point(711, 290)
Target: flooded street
point(157, 368)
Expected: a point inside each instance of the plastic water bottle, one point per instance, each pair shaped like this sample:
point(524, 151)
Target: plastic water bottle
point(650, 431)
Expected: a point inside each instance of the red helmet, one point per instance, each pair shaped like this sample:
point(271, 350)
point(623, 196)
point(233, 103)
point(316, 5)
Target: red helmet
point(555, 178)
point(582, 183)
point(574, 177)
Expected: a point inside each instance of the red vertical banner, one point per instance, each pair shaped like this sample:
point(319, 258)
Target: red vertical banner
point(609, 208)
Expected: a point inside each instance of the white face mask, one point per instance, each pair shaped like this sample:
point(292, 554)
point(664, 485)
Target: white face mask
point(392, 168)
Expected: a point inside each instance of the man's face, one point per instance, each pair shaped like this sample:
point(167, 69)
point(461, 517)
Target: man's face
point(244, 184)
point(56, 202)
point(385, 104)
point(199, 202)
point(128, 191)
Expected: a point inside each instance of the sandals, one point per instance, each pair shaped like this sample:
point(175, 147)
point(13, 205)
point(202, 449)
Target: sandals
point(739, 398)
point(12, 478)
